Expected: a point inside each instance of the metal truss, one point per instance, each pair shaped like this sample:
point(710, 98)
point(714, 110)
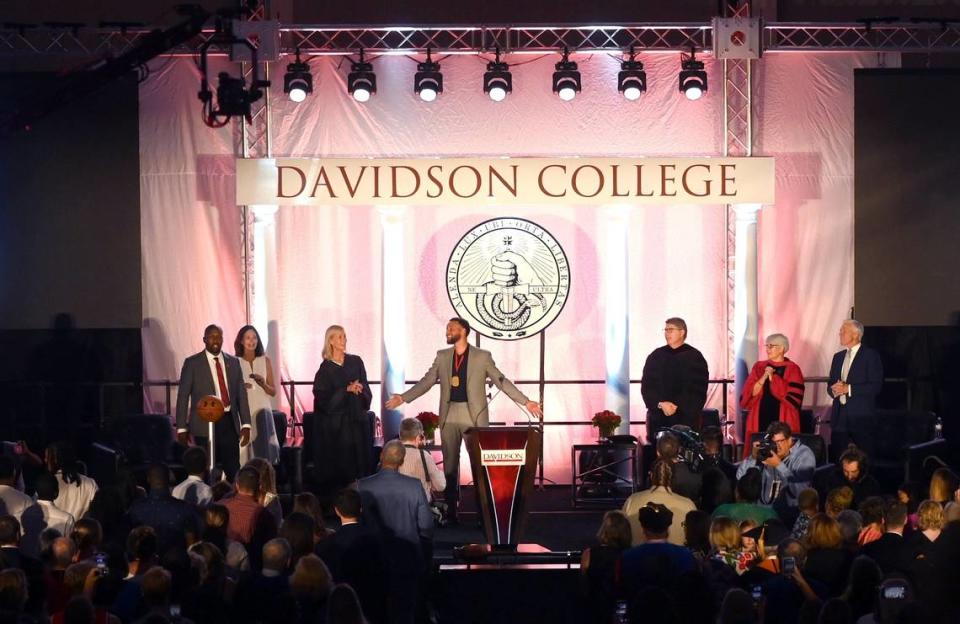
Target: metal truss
point(80, 41)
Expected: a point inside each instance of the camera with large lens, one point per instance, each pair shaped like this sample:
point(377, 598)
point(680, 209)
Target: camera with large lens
point(767, 448)
point(691, 451)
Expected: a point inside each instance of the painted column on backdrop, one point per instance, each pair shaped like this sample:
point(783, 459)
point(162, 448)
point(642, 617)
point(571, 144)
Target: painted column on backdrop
point(393, 314)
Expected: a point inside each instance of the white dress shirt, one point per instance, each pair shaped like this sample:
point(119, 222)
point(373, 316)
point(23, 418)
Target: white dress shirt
point(194, 490)
point(56, 518)
point(75, 498)
point(13, 502)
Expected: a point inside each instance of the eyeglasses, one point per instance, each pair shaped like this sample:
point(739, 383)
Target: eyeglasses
point(780, 441)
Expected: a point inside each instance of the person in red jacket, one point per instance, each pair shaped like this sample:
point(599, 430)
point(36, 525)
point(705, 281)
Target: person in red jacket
point(773, 391)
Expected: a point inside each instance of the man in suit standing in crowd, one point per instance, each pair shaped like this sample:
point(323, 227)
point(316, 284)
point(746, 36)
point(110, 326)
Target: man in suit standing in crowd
point(856, 377)
point(214, 373)
point(462, 372)
point(396, 506)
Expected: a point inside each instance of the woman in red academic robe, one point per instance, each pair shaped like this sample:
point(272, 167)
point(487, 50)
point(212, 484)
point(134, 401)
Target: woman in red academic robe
point(773, 391)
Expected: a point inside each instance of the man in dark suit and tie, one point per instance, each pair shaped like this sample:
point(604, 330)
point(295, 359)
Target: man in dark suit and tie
point(856, 377)
point(212, 372)
point(395, 505)
point(462, 372)
point(354, 555)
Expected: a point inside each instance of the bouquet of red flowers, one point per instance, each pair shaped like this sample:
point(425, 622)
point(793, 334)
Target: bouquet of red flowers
point(606, 421)
point(430, 422)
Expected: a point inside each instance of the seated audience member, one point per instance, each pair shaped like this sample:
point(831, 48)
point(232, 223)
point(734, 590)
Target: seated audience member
point(853, 472)
point(850, 526)
point(212, 601)
point(943, 486)
point(311, 585)
point(712, 439)
point(417, 462)
point(62, 556)
point(828, 562)
point(871, 512)
point(684, 482)
point(12, 556)
point(249, 523)
point(747, 497)
point(216, 519)
point(922, 555)
point(47, 512)
point(951, 512)
point(785, 593)
point(808, 502)
point(655, 562)
point(194, 488)
point(787, 472)
point(343, 606)
point(838, 501)
point(13, 502)
point(299, 530)
point(738, 607)
point(911, 494)
point(727, 546)
point(141, 557)
point(747, 542)
point(767, 537)
point(893, 597)
point(170, 518)
point(87, 534)
point(661, 474)
point(308, 503)
point(598, 565)
point(220, 491)
point(266, 596)
point(355, 556)
point(157, 585)
point(267, 493)
point(889, 550)
point(861, 590)
point(696, 533)
point(716, 489)
point(76, 490)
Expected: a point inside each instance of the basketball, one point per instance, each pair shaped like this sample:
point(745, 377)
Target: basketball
point(210, 409)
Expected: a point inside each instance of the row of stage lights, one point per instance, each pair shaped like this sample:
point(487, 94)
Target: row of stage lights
point(497, 80)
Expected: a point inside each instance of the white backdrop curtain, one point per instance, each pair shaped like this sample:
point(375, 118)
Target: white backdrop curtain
point(327, 259)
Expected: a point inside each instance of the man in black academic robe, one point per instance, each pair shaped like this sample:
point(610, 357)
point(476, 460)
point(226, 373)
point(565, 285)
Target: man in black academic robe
point(674, 384)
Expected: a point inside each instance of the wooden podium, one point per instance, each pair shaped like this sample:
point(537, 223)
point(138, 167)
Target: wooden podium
point(504, 463)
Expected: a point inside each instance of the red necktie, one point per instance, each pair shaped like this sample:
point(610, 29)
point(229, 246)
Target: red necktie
point(224, 395)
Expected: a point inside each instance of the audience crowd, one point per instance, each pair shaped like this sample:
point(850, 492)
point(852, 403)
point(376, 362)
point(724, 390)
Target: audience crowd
point(753, 542)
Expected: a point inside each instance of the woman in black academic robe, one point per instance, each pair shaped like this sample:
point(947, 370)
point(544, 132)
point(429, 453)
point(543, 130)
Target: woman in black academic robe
point(342, 430)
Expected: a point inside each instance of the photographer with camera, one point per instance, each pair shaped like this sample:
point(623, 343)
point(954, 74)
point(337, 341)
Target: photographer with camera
point(787, 466)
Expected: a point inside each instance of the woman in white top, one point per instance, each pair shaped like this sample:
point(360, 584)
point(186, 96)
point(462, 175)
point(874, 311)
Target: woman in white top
point(258, 378)
point(76, 490)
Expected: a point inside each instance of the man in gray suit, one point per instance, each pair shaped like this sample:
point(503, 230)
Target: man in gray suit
point(462, 372)
point(212, 372)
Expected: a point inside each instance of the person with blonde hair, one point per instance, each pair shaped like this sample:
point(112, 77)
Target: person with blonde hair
point(727, 545)
point(943, 485)
point(342, 435)
point(923, 554)
point(268, 496)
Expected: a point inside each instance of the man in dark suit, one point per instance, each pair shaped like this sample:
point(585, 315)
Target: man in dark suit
point(355, 556)
point(462, 372)
point(172, 519)
point(890, 551)
point(214, 373)
point(856, 377)
point(396, 506)
point(11, 556)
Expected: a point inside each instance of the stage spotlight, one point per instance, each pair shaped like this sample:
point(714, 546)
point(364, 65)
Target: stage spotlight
point(566, 78)
point(297, 82)
point(497, 81)
point(693, 79)
point(632, 80)
point(361, 81)
point(428, 81)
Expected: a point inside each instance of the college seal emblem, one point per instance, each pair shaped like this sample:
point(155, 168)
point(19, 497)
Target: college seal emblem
point(509, 277)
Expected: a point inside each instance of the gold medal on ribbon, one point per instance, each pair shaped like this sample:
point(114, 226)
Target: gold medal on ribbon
point(455, 381)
